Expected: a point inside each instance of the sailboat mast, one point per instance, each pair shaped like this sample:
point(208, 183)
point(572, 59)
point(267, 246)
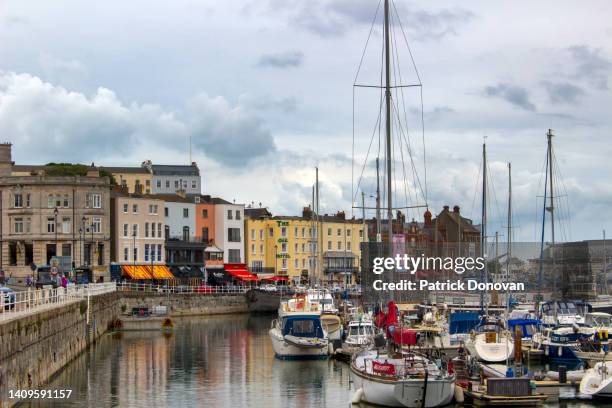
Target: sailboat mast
point(378, 215)
point(483, 226)
point(318, 225)
point(388, 125)
point(509, 249)
point(551, 208)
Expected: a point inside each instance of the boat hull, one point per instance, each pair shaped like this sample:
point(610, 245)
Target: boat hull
point(491, 352)
point(403, 393)
point(293, 351)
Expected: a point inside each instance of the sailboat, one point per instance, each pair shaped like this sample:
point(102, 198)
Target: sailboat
point(490, 342)
point(397, 378)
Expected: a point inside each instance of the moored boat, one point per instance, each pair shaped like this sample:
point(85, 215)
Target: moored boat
point(491, 343)
point(597, 382)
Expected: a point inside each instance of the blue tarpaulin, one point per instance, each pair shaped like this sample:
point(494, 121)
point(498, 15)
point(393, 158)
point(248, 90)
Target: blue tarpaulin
point(463, 322)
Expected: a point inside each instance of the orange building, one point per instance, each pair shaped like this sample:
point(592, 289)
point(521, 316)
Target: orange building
point(205, 219)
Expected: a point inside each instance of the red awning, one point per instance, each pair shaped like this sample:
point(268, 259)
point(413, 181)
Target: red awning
point(276, 278)
point(239, 271)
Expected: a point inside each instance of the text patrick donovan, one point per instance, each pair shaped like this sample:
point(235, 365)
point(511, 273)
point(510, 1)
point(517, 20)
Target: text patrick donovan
point(456, 285)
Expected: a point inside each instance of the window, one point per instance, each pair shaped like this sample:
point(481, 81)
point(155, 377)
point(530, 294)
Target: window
point(126, 254)
point(152, 209)
point(283, 247)
point(271, 232)
point(296, 263)
point(176, 184)
point(329, 231)
point(66, 250)
point(283, 231)
point(185, 233)
point(229, 215)
point(339, 245)
point(233, 234)
point(204, 213)
point(148, 183)
point(146, 252)
point(295, 248)
point(146, 234)
point(348, 232)
point(125, 208)
point(158, 183)
point(27, 228)
point(96, 225)
point(253, 250)
point(303, 232)
point(135, 253)
point(339, 232)
point(125, 230)
point(159, 251)
point(167, 183)
point(194, 184)
point(303, 247)
point(167, 232)
point(238, 217)
point(261, 249)
point(135, 230)
point(135, 208)
point(166, 211)
point(284, 263)
point(233, 255)
point(360, 233)
point(66, 225)
point(329, 245)
point(303, 263)
point(96, 200)
point(185, 212)
point(18, 200)
point(50, 225)
point(50, 201)
point(18, 226)
point(348, 246)
point(253, 234)
point(152, 230)
point(66, 201)
point(159, 230)
point(260, 234)
point(58, 200)
point(152, 252)
point(295, 231)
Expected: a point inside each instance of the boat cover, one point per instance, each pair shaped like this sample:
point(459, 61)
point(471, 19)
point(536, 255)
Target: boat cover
point(302, 326)
point(405, 337)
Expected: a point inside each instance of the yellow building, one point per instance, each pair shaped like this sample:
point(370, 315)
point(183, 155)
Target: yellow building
point(132, 177)
point(302, 249)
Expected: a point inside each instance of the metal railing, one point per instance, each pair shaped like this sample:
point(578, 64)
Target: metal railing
point(31, 301)
point(181, 289)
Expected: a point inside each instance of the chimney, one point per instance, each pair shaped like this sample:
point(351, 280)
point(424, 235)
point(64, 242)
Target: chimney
point(456, 209)
point(6, 162)
point(92, 171)
point(307, 213)
point(446, 208)
point(341, 215)
point(427, 218)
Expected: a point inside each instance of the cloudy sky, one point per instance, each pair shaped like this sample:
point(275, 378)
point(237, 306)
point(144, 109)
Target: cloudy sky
point(264, 91)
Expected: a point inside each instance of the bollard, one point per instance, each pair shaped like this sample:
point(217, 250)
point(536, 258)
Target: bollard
point(562, 374)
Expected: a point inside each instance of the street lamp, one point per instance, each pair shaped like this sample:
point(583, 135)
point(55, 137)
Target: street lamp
point(55, 228)
point(134, 249)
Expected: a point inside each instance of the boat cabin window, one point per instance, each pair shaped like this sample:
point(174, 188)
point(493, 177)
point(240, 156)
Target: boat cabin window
point(360, 330)
point(600, 321)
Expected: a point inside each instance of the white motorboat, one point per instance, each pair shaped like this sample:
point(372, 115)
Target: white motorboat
point(597, 382)
point(491, 343)
point(324, 298)
point(298, 332)
point(360, 335)
point(409, 380)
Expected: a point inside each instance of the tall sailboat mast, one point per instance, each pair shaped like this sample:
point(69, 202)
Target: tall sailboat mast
point(483, 226)
point(551, 207)
point(388, 125)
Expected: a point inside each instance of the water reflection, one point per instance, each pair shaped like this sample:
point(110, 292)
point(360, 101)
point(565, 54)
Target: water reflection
point(222, 361)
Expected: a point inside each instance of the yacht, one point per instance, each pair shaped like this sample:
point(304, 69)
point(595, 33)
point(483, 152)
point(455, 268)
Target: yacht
point(491, 342)
point(597, 382)
point(360, 335)
point(560, 343)
point(298, 332)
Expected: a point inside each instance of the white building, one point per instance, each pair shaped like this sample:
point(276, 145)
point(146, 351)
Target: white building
point(179, 213)
point(229, 230)
point(168, 179)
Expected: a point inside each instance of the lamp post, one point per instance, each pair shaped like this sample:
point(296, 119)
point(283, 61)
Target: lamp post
point(55, 211)
point(275, 259)
point(134, 248)
point(83, 230)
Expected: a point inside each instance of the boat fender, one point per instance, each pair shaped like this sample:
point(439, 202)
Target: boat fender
point(559, 351)
point(546, 351)
point(357, 396)
point(459, 397)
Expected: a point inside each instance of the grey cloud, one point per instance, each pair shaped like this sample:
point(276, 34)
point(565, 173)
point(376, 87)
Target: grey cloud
point(591, 66)
point(265, 103)
point(513, 94)
point(289, 59)
point(336, 17)
point(39, 116)
point(563, 92)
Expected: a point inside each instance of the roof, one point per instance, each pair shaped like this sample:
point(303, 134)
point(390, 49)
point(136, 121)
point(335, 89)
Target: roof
point(172, 198)
point(175, 170)
point(132, 170)
point(257, 213)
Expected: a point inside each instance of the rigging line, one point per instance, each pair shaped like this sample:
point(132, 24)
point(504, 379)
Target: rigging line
point(423, 191)
point(365, 162)
point(367, 42)
point(416, 70)
point(494, 194)
point(561, 182)
point(537, 207)
point(353, 160)
point(476, 189)
point(413, 166)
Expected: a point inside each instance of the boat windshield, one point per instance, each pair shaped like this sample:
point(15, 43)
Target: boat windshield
point(601, 321)
point(302, 327)
point(360, 330)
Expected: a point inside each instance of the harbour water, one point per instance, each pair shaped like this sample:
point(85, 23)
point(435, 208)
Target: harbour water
point(219, 361)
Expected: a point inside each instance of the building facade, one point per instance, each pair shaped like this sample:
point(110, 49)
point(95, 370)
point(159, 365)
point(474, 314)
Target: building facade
point(133, 178)
point(138, 229)
point(169, 179)
point(205, 218)
point(229, 230)
point(45, 215)
point(303, 249)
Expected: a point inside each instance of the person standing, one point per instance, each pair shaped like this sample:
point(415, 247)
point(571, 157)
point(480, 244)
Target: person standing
point(64, 281)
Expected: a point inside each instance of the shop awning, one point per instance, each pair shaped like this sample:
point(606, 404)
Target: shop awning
point(276, 278)
point(146, 272)
point(239, 271)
